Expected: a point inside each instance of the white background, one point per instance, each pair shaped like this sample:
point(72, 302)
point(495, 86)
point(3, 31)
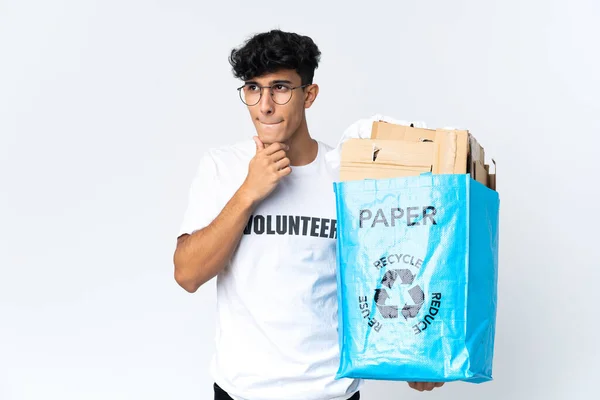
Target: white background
point(105, 107)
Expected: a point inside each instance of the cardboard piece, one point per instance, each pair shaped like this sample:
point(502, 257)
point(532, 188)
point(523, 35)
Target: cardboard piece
point(397, 150)
point(492, 177)
point(452, 149)
point(384, 130)
point(477, 153)
point(404, 151)
point(480, 174)
point(378, 159)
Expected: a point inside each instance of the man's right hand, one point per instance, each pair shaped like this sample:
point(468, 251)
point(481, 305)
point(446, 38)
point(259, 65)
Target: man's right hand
point(266, 169)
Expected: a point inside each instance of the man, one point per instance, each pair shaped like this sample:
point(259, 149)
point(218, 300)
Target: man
point(261, 218)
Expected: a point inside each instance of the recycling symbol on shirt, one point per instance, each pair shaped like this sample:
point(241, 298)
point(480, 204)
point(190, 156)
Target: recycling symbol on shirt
point(415, 292)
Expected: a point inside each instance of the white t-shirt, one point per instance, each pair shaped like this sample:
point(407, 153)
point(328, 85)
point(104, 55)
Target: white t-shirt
point(277, 304)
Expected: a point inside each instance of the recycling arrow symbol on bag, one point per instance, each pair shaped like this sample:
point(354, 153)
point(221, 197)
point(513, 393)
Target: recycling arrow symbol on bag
point(381, 295)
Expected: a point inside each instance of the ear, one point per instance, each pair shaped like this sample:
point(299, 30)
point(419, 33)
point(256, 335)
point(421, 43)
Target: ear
point(311, 93)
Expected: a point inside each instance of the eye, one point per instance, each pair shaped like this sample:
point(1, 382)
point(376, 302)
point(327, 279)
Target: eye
point(280, 88)
point(251, 88)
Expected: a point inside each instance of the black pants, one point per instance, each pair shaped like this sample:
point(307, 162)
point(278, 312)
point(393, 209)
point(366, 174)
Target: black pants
point(220, 394)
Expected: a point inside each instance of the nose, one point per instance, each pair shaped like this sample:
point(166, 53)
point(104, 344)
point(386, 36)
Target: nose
point(266, 103)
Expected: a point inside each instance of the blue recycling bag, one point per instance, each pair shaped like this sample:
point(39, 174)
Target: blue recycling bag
point(417, 278)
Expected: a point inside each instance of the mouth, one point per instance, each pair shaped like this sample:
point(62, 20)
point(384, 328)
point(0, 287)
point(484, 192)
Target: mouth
point(270, 123)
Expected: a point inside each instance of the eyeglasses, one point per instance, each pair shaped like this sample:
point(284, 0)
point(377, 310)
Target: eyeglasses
point(281, 93)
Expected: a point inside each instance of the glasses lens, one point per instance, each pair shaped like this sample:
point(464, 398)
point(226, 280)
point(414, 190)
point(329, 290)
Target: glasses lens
point(281, 93)
point(250, 94)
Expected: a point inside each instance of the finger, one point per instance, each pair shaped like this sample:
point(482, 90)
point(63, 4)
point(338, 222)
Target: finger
point(284, 162)
point(275, 147)
point(285, 171)
point(439, 384)
point(275, 157)
point(259, 144)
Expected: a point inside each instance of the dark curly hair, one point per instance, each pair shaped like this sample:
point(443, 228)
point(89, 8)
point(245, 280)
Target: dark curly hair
point(272, 51)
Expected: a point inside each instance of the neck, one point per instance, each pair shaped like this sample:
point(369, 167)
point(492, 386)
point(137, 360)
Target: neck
point(303, 148)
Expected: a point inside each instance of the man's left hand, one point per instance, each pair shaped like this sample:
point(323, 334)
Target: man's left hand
point(428, 386)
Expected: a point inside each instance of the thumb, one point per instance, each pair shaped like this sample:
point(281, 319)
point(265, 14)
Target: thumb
point(259, 145)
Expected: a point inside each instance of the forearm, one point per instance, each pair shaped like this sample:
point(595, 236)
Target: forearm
point(202, 255)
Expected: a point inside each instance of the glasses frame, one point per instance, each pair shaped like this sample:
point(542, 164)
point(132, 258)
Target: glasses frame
point(270, 92)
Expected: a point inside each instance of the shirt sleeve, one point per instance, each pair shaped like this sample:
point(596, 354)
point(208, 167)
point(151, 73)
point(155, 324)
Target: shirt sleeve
point(203, 205)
